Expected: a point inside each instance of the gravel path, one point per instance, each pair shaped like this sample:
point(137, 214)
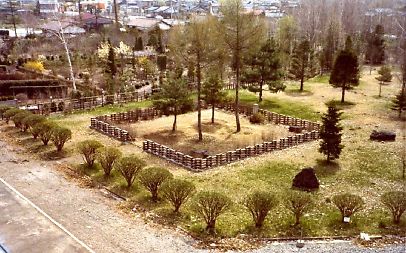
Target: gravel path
point(93, 218)
point(328, 247)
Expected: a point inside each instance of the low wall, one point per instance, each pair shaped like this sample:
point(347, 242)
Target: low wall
point(104, 124)
point(199, 164)
point(273, 117)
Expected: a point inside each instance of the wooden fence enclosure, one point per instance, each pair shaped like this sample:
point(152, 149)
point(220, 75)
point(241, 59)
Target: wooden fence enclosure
point(104, 124)
point(85, 103)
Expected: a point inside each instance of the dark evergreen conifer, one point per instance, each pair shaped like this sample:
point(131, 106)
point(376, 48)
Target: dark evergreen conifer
point(399, 102)
point(300, 67)
point(330, 134)
point(345, 74)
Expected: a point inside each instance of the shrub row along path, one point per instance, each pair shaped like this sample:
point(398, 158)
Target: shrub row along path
point(92, 216)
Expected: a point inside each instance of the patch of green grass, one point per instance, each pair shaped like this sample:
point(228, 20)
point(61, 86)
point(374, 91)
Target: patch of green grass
point(286, 107)
point(320, 79)
point(339, 105)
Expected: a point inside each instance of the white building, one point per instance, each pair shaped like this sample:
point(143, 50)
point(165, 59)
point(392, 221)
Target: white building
point(48, 6)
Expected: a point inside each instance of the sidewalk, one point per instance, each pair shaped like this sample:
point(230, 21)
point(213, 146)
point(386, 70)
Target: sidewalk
point(24, 229)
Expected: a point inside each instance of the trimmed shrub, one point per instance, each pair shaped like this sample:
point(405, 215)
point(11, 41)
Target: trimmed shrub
point(53, 107)
point(177, 191)
point(44, 131)
point(348, 204)
point(18, 118)
point(3, 109)
point(129, 167)
point(35, 130)
point(60, 135)
point(259, 203)
point(61, 106)
point(88, 149)
point(298, 203)
point(107, 156)
point(10, 113)
point(152, 178)
point(257, 118)
point(395, 201)
point(210, 205)
point(31, 120)
point(306, 179)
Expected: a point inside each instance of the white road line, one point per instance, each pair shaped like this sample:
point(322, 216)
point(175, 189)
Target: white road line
point(47, 216)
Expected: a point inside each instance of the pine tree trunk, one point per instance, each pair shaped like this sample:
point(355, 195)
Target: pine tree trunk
point(174, 122)
point(301, 83)
point(260, 90)
point(212, 113)
point(342, 93)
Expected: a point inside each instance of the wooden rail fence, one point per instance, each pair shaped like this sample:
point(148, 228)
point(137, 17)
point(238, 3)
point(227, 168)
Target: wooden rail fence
point(199, 164)
point(104, 124)
point(85, 103)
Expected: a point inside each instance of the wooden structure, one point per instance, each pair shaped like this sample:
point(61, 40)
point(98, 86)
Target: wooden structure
point(104, 124)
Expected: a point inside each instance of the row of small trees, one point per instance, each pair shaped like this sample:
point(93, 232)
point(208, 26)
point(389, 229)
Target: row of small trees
point(210, 204)
point(38, 125)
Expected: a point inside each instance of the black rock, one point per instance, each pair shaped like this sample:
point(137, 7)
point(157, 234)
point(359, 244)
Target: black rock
point(306, 180)
point(382, 135)
point(295, 129)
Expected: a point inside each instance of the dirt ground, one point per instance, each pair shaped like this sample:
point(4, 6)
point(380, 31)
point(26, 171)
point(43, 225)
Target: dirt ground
point(218, 137)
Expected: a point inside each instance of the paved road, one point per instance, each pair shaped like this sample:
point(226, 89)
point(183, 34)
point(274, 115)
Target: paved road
point(24, 229)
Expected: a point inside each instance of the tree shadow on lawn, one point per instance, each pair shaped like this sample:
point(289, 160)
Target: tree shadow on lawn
point(30, 141)
point(114, 182)
point(341, 106)
point(208, 127)
point(37, 147)
point(269, 104)
point(386, 226)
point(166, 216)
point(296, 231)
point(166, 137)
point(143, 202)
point(54, 155)
point(298, 93)
point(325, 168)
point(337, 227)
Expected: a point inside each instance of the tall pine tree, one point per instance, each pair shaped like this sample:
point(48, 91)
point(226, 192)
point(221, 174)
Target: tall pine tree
point(345, 74)
point(263, 67)
point(213, 93)
point(300, 65)
point(375, 52)
point(330, 134)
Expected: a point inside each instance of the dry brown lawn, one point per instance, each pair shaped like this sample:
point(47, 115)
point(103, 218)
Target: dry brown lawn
point(218, 137)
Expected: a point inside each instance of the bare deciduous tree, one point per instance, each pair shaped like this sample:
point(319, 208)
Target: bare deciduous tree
point(242, 32)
